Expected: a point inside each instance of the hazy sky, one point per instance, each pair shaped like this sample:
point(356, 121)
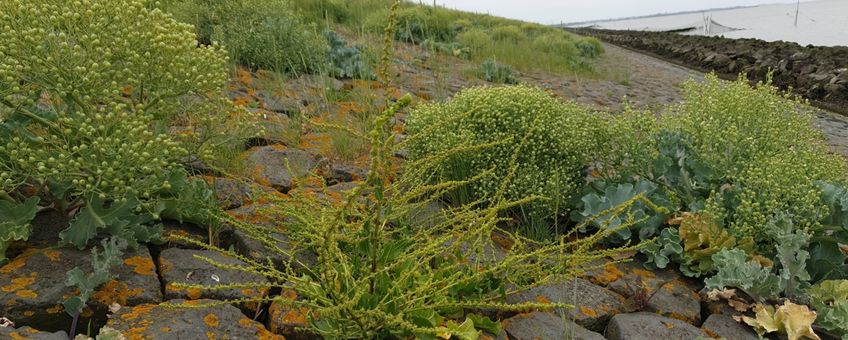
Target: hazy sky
point(555, 11)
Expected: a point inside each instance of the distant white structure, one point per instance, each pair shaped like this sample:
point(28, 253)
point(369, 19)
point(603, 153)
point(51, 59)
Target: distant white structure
point(707, 26)
point(821, 22)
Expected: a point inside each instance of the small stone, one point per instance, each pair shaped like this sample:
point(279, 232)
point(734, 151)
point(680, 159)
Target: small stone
point(343, 173)
point(676, 300)
point(32, 287)
point(181, 266)
point(31, 334)
point(540, 325)
point(276, 166)
point(724, 326)
point(158, 321)
point(593, 305)
point(649, 326)
point(230, 193)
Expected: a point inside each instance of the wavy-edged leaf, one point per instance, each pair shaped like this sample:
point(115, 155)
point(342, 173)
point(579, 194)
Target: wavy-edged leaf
point(96, 215)
point(15, 221)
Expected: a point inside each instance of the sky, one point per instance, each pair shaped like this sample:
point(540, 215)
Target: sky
point(556, 11)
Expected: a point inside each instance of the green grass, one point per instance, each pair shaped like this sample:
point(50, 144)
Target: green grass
point(527, 47)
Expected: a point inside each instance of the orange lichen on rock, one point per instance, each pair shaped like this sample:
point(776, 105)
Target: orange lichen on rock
point(138, 311)
point(588, 311)
point(644, 274)
point(52, 255)
point(610, 273)
point(115, 291)
point(19, 261)
point(211, 320)
point(56, 309)
point(19, 286)
point(142, 265)
point(543, 299)
point(29, 313)
point(194, 293)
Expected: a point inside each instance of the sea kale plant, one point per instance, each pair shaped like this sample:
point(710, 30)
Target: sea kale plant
point(347, 62)
point(559, 139)
point(83, 86)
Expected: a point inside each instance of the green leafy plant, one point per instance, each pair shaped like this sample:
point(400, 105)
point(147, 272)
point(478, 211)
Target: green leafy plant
point(664, 249)
point(87, 283)
point(560, 137)
point(830, 299)
point(15, 225)
point(603, 197)
point(736, 269)
point(702, 238)
point(347, 62)
point(495, 72)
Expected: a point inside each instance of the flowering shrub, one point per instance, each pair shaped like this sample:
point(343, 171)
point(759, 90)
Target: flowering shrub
point(763, 146)
point(555, 137)
point(82, 85)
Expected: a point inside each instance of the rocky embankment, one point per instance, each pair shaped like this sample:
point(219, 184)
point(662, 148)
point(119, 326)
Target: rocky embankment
point(820, 74)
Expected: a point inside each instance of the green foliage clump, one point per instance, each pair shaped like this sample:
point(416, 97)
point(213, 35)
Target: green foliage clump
point(83, 86)
point(830, 298)
point(495, 72)
point(347, 62)
point(559, 137)
point(258, 34)
point(763, 145)
point(589, 47)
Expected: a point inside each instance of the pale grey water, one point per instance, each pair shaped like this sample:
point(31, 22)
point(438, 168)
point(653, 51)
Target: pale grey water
point(821, 23)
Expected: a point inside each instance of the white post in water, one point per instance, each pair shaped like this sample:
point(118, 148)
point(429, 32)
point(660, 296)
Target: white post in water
point(797, 8)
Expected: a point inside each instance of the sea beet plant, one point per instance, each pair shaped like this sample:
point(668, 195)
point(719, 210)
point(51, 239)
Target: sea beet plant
point(378, 276)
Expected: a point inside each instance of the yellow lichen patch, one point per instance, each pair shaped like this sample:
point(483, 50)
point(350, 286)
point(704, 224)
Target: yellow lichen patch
point(680, 317)
point(52, 255)
point(711, 333)
point(297, 317)
point(194, 293)
point(19, 261)
point(29, 313)
point(11, 302)
point(16, 336)
point(211, 320)
point(588, 311)
point(142, 265)
point(20, 283)
point(138, 311)
point(210, 336)
point(27, 294)
point(543, 299)
point(115, 291)
point(644, 274)
point(56, 309)
point(245, 322)
point(609, 274)
point(668, 325)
